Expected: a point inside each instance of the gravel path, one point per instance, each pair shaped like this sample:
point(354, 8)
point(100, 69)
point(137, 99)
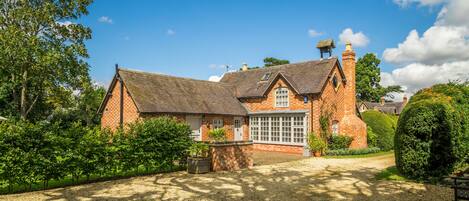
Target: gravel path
point(307, 179)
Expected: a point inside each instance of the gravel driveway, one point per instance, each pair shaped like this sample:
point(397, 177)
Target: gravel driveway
point(307, 179)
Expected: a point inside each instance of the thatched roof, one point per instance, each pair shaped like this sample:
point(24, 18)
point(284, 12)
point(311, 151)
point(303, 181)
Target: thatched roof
point(156, 93)
point(306, 77)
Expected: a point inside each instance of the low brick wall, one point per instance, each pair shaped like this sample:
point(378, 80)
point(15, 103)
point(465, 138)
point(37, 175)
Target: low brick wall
point(292, 149)
point(230, 156)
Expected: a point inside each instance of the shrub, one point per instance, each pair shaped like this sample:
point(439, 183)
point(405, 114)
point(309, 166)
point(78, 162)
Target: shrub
point(341, 152)
point(33, 153)
point(217, 135)
point(432, 133)
point(339, 142)
point(383, 126)
point(315, 143)
point(371, 137)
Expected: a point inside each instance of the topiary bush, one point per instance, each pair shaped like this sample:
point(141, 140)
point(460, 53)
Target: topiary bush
point(339, 142)
point(371, 137)
point(432, 134)
point(383, 126)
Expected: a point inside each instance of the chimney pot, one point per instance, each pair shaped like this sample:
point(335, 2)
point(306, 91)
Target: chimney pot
point(348, 46)
point(382, 100)
point(245, 67)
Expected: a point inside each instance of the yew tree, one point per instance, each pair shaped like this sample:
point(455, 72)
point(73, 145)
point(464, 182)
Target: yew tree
point(42, 54)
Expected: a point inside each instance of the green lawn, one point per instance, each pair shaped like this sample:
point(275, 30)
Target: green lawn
point(363, 155)
point(390, 173)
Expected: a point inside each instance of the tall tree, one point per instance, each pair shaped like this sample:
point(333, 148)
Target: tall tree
point(41, 52)
point(368, 77)
point(271, 61)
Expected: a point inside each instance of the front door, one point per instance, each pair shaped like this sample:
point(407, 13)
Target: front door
point(238, 128)
point(195, 123)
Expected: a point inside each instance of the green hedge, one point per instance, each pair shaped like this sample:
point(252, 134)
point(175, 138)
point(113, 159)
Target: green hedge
point(339, 142)
point(383, 125)
point(432, 134)
point(341, 152)
point(38, 153)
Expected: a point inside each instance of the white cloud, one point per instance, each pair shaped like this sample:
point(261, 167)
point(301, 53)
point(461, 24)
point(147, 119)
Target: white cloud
point(439, 44)
point(313, 33)
point(405, 3)
point(454, 14)
point(170, 32)
point(357, 39)
point(440, 55)
point(215, 78)
point(105, 19)
point(417, 75)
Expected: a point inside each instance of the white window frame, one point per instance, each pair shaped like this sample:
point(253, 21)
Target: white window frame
point(217, 123)
point(282, 97)
point(255, 128)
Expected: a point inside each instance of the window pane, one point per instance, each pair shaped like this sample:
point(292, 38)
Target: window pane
point(286, 129)
point(217, 123)
point(254, 128)
point(264, 129)
point(275, 128)
point(298, 130)
point(281, 97)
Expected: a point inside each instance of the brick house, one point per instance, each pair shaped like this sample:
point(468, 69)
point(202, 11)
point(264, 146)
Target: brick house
point(276, 107)
point(394, 108)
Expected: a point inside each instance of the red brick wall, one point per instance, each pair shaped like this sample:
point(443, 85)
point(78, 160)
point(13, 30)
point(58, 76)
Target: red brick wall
point(232, 156)
point(294, 149)
point(111, 112)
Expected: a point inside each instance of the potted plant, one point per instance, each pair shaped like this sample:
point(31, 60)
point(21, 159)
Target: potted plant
point(217, 135)
point(316, 144)
point(198, 161)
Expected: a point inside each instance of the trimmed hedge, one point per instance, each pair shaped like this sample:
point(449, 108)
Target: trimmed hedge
point(38, 153)
point(383, 126)
point(432, 134)
point(339, 142)
point(341, 152)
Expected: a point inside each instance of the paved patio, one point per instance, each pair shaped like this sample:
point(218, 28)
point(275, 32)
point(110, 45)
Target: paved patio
point(268, 157)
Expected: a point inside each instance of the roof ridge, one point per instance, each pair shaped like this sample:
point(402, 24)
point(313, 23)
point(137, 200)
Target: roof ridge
point(171, 76)
point(283, 65)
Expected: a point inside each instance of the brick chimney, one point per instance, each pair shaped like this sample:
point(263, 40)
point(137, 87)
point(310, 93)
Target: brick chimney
point(404, 100)
point(382, 101)
point(348, 65)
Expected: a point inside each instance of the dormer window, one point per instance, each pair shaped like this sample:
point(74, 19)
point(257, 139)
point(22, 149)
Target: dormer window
point(266, 76)
point(281, 97)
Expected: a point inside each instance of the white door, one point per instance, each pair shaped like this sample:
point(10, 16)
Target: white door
point(238, 128)
point(195, 123)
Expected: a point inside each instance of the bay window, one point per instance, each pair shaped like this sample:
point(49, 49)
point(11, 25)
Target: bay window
point(278, 129)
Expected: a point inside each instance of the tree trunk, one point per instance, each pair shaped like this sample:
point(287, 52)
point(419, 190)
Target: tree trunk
point(24, 86)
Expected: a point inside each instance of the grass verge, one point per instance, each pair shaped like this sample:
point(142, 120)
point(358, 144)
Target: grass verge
point(363, 155)
point(391, 174)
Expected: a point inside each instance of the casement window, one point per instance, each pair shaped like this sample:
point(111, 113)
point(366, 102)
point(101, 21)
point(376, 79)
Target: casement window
point(335, 127)
point(281, 97)
point(278, 129)
point(217, 123)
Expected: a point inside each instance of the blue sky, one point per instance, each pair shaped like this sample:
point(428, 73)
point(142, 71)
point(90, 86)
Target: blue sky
point(194, 38)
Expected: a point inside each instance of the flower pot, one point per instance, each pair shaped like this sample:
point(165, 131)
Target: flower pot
point(317, 154)
point(198, 165)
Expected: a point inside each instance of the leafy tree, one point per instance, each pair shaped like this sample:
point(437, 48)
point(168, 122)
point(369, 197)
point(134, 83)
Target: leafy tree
point(271, 61)
point(368, 78)
point(42, 54)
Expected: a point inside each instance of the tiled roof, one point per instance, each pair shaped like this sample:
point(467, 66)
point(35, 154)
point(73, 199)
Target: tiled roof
point(306, 77)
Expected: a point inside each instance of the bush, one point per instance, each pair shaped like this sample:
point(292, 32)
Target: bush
point(339, 142)
point(40, 152)
point(217, 135)
point(341, 152)
point(432, 133)
point(371, 137)
point(199, 150)
point(315, 143)
point(383, 126)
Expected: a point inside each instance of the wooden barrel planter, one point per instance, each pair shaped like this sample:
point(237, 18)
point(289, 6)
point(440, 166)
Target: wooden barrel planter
point(198, 165)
